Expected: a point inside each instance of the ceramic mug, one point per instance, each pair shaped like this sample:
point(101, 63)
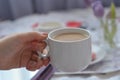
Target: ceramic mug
point(69, 56)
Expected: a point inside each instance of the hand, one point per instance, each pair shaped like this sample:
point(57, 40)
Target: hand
point(20, 51)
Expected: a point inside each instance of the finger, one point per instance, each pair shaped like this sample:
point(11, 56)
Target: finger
point(34, 45)
point(46, 58)
point(46, 61)
point(40, 46)
point(31, 65)
point(34, 56)
point(39, 62)
point(30, 36)
point(25, 55)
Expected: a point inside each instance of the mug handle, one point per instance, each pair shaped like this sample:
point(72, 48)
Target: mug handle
point(44, 55)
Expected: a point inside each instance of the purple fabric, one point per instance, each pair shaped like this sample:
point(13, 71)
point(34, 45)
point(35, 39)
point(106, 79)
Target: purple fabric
point(45, 74)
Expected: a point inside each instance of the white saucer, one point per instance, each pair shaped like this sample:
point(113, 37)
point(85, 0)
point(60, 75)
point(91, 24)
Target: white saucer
point(100, 54)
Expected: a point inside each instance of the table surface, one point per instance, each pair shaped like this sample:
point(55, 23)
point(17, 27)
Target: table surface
point(24, 24)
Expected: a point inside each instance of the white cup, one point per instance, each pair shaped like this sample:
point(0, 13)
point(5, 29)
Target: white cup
point(71, 56)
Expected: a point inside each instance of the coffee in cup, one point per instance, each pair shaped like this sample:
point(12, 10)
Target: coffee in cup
point(70, 37)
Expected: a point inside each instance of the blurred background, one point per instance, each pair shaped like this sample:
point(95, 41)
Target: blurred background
point(12, 9)
point(19, 16)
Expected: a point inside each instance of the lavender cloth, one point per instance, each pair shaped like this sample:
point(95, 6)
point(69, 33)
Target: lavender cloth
point(45, 74)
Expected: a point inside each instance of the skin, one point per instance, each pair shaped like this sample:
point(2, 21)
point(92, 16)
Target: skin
point(19, 50)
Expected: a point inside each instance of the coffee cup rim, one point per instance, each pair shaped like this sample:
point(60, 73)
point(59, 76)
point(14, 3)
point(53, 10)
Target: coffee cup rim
point(49, 35)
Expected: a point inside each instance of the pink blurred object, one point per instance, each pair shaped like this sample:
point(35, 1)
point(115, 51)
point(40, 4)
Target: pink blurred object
point(35, 25)
point(74, 24)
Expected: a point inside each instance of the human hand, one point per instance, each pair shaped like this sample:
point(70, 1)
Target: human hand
point(20, 51)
